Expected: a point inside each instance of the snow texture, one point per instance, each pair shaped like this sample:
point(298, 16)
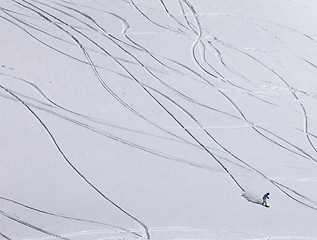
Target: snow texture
point(156, 119)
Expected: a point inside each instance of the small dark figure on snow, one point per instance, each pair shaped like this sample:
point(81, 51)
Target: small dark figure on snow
point(266, 196)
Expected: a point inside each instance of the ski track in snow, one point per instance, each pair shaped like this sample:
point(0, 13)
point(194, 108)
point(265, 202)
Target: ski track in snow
point(58, 25)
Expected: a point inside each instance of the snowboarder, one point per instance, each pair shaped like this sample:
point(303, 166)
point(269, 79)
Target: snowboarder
point(266, 196)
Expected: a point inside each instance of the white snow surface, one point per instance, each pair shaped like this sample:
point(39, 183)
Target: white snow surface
point(158, 119)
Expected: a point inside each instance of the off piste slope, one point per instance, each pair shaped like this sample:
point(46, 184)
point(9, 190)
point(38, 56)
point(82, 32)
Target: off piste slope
point(134, 119)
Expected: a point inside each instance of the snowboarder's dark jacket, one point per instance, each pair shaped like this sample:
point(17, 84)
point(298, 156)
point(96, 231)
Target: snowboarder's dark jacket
point(266, 196)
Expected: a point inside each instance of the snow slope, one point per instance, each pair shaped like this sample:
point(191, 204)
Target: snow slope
point(158, 119)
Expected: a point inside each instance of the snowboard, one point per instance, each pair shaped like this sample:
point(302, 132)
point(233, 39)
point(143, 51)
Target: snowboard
point(265, 205)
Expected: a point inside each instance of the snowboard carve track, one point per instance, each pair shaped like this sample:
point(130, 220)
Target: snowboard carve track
point(4, 236)
point(75, 169)
point(29, 225)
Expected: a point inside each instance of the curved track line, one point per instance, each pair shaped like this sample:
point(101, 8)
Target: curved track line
point(171, 15)
point(91, 119)
point(29, 225)
point(5, 237)
point(68, 217)
point(249, 123)
point(94, 67)
point(291, 91)
point(275, 183)
point(73, 167)
point(187, 131)
point(103, 83)
point(118, 139)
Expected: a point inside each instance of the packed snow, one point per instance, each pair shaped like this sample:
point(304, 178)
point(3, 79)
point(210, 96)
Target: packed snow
point(156, 119)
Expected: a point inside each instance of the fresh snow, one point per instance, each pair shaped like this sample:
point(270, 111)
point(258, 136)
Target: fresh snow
point(163, 120)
